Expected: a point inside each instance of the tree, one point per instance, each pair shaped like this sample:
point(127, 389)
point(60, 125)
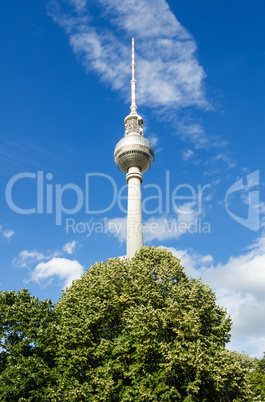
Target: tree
point(257, 379)
point(26, 347)
point(140, 330)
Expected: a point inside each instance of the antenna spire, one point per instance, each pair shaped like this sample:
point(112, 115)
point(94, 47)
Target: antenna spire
point(133, 82)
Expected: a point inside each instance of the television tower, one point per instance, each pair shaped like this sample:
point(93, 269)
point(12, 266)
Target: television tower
point(134, 155)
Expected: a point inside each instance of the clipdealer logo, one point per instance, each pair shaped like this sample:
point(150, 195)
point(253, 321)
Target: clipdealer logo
point(251, 194)
point(53, 198)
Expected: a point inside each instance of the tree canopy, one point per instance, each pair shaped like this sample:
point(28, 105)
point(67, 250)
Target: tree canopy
point(26, 347)
point(139, 330)
point(257, 379)
point(129, 330)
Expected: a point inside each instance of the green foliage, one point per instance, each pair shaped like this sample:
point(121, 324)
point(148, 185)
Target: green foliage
point(133, 330)
point(26, 352)
point(140, 330)
point(257, 379)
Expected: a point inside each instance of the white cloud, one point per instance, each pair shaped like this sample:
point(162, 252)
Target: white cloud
point(126, 15)
point(49, 265)
point(79, 5)
point(66, 270)
point(192, 261)
point(6, 233)
point(225, 159)
point(168, 73)
point(239, 285)
point(187, 154)
point(244, 274)
point(69, 248)
point(26, 258)
point(195, 133)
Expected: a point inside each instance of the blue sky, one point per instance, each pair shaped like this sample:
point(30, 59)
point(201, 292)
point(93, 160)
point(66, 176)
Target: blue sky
point(64, 93)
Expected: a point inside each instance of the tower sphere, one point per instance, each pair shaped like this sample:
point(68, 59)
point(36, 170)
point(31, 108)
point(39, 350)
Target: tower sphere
point(134, 150)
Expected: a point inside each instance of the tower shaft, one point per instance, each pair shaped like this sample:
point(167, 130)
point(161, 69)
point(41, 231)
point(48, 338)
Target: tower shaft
point(134, 155)
point(134, 211)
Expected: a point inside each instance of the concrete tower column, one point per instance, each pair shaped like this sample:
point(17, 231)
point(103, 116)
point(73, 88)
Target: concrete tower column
point(134, 211)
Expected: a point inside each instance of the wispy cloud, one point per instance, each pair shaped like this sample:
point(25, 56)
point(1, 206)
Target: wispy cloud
point(22, 153)
point(69, 248)
point(170, 79)
point(222, 157)
point(194, 133)
point(6, 233)
point(187, 154)
point(168, 73)
point(26, 258)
